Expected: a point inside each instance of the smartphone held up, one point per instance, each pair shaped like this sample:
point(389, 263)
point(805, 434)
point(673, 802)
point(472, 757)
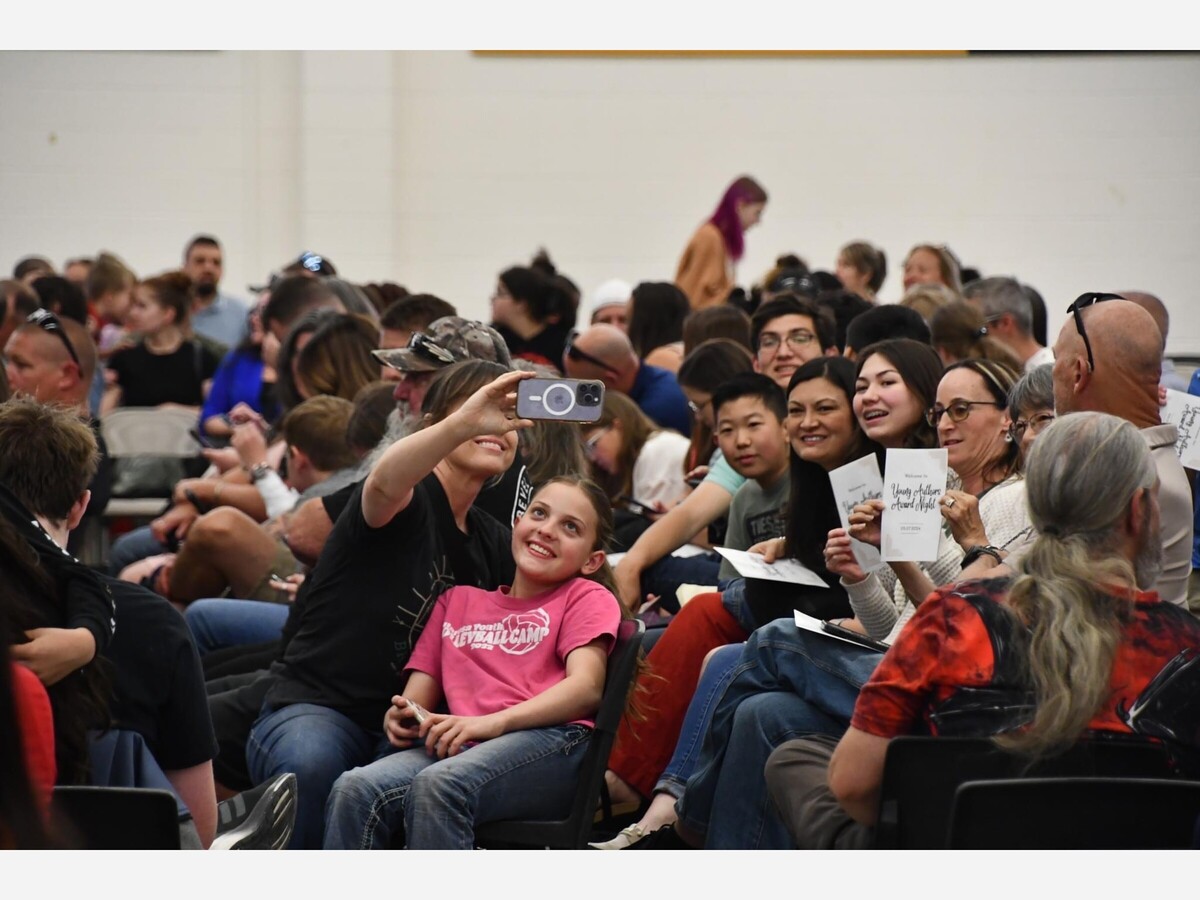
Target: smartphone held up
point(560, 399)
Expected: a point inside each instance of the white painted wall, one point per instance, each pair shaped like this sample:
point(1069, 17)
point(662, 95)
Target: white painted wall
point(438, 169)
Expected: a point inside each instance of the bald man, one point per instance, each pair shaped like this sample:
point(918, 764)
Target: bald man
point(1123, 381)
point(604, 352)
point(1158, 311)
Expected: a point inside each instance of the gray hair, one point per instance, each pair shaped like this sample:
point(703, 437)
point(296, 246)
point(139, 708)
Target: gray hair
point(1082, 475)
point(1035, 390)
point(1000, 295)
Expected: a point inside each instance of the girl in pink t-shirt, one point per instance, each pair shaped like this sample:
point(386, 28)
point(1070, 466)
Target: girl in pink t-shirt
point(520, 671)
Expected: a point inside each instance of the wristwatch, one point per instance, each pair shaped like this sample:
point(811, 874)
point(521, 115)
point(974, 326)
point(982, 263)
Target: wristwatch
point(981, 550)
point(259, 471)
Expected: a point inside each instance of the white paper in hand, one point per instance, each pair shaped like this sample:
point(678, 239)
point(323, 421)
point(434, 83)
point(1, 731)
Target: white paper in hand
point(751, 565)
point(913, 482)
point(855, 483)
point(1183, 411)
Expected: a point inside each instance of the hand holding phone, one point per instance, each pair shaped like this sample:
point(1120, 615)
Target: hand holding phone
point(200, 438)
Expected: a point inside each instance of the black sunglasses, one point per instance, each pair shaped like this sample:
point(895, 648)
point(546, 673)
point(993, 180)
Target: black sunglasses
point(427, 347)
point(49, 322)
point(1083, 301)
point(573, 352)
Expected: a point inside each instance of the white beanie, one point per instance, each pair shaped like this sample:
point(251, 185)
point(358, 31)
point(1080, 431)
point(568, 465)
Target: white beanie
point(613, 292)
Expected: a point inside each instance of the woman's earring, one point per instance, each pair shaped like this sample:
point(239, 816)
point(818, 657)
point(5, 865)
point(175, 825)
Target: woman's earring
point(1007, 438)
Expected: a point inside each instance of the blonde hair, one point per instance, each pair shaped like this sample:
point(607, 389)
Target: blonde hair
point(927, 299)
point(1083, 473)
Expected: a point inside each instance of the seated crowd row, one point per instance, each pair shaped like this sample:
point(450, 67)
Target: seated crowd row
point(396, 588)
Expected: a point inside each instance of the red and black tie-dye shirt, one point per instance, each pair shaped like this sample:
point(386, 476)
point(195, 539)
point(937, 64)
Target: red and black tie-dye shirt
point(961, 654)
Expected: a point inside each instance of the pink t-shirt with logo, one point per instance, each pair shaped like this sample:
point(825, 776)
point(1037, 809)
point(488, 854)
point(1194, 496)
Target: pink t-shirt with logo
point(490, 651)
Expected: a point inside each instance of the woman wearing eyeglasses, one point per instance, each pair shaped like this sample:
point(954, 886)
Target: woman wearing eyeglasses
point(1031, 405)
point(634, 459)
point(984, 510)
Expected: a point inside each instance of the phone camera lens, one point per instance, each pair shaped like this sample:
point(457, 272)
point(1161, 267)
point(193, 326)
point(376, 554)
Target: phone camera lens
point(589, 395)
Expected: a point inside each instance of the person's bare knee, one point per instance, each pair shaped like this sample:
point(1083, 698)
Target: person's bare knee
point(222, 529)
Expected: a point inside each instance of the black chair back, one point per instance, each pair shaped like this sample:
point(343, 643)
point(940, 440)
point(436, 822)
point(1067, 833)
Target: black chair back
point(574, 830)
point(118, 818)
point(921, 775)
point(1075, 814)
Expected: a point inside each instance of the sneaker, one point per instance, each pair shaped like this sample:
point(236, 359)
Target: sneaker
point(625, 837)
point(261, 818)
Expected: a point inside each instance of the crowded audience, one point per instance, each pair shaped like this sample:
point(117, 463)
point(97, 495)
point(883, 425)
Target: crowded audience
point(385, 592)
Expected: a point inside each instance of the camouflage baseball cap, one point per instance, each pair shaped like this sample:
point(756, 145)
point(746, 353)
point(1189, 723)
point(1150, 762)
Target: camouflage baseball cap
point(450, 339)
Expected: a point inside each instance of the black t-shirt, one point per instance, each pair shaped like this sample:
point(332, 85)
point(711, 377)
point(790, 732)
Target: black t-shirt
point(159, 685)
point(148, 379)
point(371, 593)
point(544, 348)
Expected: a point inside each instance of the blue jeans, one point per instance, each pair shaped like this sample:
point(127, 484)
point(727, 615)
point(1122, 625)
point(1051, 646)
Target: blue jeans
point(230, 623)
point(788, 683)
point(133, 546)
point(711, 687)
point(522, 774)
point(665, 576)
point(318, 744)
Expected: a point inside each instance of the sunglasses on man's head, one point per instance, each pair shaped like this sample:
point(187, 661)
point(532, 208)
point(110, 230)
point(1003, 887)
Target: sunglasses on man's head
point(573, 352)
point(49, 322)
point(1080, 303)
point(426, 346)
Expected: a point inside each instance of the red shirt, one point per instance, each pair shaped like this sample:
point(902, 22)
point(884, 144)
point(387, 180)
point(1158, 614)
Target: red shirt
point(951, 643)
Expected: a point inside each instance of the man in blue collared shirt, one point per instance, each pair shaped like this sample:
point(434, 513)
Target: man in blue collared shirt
point(214, 315)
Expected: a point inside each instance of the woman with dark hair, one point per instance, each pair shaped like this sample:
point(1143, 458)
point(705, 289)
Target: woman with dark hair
point(168, 365)
point(632, 458)
point(534, 310)
point(655, 323)
point(336, 361)
point(705, 271)
point(289, 390)
point(244, 377)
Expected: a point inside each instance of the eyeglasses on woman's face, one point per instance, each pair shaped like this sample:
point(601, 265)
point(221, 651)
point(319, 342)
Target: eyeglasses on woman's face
point(1035, 424)
point(958, 410)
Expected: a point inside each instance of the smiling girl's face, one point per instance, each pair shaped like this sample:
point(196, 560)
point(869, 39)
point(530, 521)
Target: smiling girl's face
point(555, 540)
point(886, 408)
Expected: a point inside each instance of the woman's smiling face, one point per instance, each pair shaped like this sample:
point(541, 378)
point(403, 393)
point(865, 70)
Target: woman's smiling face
point(886, 408)
point(820, 423)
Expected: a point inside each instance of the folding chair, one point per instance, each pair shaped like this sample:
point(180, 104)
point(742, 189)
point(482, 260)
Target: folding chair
point(921, 775)
point(574, 830)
